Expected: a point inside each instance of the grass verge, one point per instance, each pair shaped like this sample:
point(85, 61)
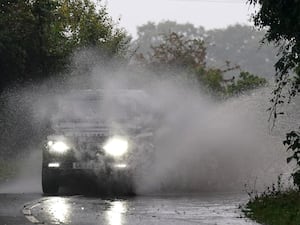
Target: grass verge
point(275, 208)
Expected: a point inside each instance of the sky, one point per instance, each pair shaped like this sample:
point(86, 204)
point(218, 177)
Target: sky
point(207, 13)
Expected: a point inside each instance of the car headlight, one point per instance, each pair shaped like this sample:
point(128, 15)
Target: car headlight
point(58, 147)
point(116, 146)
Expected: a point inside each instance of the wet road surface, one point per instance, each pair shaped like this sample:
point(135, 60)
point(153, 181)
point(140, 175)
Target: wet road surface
point(11, 206)
point(206, 209)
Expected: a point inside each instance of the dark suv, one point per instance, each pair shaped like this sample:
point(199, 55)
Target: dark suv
point(100, 135)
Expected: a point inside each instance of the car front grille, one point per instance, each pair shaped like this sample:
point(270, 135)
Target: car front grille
point(88, 148)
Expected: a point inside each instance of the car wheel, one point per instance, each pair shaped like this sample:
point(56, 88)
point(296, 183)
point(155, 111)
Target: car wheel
point(49, 182)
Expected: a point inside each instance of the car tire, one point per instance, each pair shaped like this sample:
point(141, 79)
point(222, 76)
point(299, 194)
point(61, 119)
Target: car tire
point(50, 183)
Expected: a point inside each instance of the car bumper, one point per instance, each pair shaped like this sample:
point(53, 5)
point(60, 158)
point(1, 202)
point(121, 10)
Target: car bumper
point(64, 174)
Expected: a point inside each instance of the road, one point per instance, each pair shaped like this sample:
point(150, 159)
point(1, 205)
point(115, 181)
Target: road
point(206, 209)
point(11, 206)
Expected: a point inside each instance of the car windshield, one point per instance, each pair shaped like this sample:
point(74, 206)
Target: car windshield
point(97, 106)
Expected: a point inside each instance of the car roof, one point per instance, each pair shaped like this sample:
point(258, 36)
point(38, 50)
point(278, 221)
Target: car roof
point(94, 94)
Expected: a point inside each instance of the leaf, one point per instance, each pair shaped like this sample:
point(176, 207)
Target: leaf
point(289, 159)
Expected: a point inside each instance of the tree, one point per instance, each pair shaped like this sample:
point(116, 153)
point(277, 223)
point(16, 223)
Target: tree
point(15, 25)
point(245, 82)
point(238, 44)
point(179, 55)
point(281, 19)
point(37, 37)
point(241, 45)
point(84, 26)
point(37, 40)
point(176, 53)
point(150, 34)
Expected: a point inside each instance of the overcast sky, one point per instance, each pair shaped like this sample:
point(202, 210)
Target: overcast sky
point(207, 13)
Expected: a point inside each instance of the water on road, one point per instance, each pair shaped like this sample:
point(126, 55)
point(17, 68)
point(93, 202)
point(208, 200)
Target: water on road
point(206, 209)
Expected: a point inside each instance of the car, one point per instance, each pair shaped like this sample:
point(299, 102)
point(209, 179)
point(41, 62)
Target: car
point(100, 135)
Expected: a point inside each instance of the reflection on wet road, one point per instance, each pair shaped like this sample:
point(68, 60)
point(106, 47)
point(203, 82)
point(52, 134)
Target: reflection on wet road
point(114, 215)
point(191, 209)
point(11, 206)
point(59, 209)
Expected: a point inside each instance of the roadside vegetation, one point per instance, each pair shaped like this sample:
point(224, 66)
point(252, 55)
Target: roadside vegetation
point(186, 58)
point(37, 38)
point(276, 206)
point(238, 44)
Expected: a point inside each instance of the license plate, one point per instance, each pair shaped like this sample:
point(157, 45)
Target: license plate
point(87, 165)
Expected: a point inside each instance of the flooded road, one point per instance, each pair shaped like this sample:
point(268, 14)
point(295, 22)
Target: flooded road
point(206, 209)
point(11, 206)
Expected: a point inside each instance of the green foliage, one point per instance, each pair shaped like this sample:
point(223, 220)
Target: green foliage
point(37, 37)
point(175, 53)
point(245, 83)
point(281, 19)
point(178, 55)
point(29, 44)
point(213, 81)
point(293, 143)
point(238, 44)
point(84, 26)
point(275, 208)
point(241, 45)
point(150, 34)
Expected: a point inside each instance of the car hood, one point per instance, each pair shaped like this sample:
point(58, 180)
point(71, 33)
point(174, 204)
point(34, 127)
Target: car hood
point(91, 128)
